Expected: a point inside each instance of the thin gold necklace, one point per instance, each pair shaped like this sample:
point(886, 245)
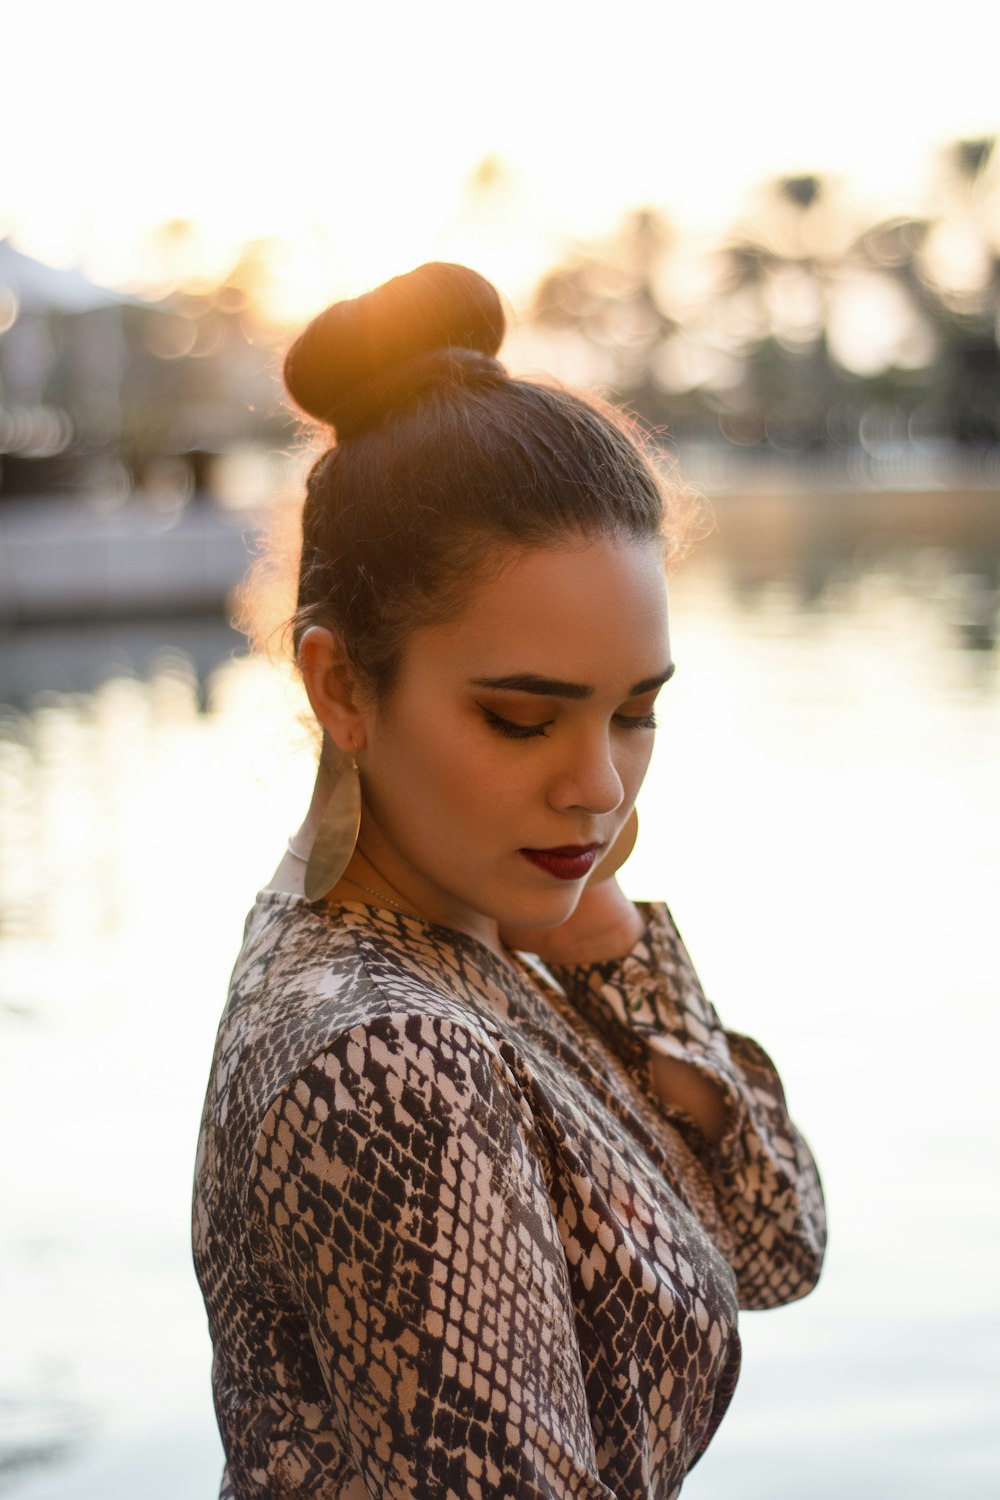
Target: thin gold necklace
point(373, 892)
point(296, 854)
point(385, 881)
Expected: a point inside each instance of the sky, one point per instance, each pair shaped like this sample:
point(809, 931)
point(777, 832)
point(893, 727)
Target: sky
point(356, 133)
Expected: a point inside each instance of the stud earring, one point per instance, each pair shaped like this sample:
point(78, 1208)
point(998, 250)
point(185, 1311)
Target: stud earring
point(338, 831)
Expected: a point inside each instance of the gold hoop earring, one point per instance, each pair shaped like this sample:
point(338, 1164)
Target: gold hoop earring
point(619, 851)
point(338, 832)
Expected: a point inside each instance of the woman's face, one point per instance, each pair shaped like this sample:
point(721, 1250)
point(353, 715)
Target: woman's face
point(509, 753)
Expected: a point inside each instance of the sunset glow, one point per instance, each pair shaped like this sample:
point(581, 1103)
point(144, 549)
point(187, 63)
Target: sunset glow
point(366, 139)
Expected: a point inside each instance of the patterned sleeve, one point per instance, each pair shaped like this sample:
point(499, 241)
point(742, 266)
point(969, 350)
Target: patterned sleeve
point(762, 1171)
point(407, 1214)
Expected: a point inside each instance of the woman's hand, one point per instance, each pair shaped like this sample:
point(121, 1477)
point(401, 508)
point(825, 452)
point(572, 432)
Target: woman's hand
point(604, 924)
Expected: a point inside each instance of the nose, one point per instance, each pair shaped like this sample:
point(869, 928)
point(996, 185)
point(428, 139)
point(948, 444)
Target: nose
point(588, 779)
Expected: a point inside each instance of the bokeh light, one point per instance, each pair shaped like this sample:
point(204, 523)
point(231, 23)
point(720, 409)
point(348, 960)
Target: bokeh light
point(776, 239)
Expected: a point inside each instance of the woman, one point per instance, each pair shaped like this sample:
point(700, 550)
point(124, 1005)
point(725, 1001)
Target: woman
point(470, 1223)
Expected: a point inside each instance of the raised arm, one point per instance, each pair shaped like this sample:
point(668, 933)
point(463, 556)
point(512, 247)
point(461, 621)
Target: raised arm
point(723, 1092)
point(606, 925)
point(406, 1214)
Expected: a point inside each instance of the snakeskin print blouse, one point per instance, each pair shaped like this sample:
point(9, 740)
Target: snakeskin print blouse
point(452, 1243)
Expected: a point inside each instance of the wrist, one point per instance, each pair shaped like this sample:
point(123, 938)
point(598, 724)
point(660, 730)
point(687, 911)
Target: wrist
point(612, 928)
point(604, 925)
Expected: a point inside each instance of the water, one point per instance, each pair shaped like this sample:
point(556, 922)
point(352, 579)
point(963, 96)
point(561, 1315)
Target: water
point(823, 813)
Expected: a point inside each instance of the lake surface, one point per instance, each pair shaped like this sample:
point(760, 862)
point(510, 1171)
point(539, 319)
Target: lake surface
point(823, 814)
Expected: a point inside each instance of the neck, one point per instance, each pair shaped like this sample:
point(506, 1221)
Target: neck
point(380, 868)
point(377, 862)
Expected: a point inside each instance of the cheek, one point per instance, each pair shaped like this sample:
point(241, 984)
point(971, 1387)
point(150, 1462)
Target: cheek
point(479, 775)
point(634, 753)
point(439, 764)
point(634, 762)
point(646, 754)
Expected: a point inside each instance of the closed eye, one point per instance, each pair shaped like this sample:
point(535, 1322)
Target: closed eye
point(509, 729)
point(642, 721)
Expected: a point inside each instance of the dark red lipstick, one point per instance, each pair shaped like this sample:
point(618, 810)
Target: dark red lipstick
point(569, 862)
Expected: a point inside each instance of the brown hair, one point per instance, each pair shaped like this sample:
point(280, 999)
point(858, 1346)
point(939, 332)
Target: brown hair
point(441, 463)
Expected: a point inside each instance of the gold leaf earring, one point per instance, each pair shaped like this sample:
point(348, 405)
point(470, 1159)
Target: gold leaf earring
point(338, 832)
point(619, 851)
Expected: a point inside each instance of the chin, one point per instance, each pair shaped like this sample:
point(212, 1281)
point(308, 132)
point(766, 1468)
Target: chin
point(542, 910)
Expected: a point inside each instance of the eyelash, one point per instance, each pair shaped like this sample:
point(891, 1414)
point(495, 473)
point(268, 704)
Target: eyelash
point(511, 731)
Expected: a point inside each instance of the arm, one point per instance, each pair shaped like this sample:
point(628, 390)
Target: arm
point(407, 1213)
point(606, 925)
point(722, 1091)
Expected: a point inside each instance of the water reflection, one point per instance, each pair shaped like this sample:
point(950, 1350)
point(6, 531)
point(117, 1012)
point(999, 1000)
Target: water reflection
point(38, 1429)
point(829, 546)
point(824, 814)
point(55, 660)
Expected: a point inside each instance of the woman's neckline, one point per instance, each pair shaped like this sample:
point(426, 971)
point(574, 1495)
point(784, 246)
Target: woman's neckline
point(521, 960)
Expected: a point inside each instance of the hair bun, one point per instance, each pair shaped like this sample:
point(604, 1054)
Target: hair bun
point(336, 368)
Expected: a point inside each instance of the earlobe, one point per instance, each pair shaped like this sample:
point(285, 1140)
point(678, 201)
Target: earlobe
point(331, 686)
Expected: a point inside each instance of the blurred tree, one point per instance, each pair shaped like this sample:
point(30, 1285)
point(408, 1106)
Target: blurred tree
point(948, 266)
point(610, 295)
point(962, 265)
point(807, 328)
point(779, 274)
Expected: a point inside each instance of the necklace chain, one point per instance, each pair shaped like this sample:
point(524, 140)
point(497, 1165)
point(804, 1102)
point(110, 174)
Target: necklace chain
point(371, 891)
point(384, 879)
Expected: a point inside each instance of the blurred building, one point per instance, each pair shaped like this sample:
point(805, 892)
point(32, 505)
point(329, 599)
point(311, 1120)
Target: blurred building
point(116, 415)
point(62, 365)
point(106, 393)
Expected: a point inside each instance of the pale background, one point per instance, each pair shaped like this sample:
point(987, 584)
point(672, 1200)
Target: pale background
point(822, 812)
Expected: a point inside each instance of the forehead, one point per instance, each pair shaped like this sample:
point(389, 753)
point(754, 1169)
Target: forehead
point(594, 612)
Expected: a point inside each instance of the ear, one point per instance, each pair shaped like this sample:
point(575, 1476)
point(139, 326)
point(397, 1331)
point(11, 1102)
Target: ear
point(332, 688)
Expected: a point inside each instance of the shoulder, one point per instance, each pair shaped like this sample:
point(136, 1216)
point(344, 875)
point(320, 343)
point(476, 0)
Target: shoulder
point(402, 1107)
point(360, 1001)
point(410, 1069)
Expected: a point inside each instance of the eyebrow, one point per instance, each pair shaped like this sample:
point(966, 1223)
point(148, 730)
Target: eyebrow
point(554, 687)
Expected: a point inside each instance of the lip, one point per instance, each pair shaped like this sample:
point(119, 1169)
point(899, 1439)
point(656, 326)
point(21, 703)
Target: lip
point(568, 862)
